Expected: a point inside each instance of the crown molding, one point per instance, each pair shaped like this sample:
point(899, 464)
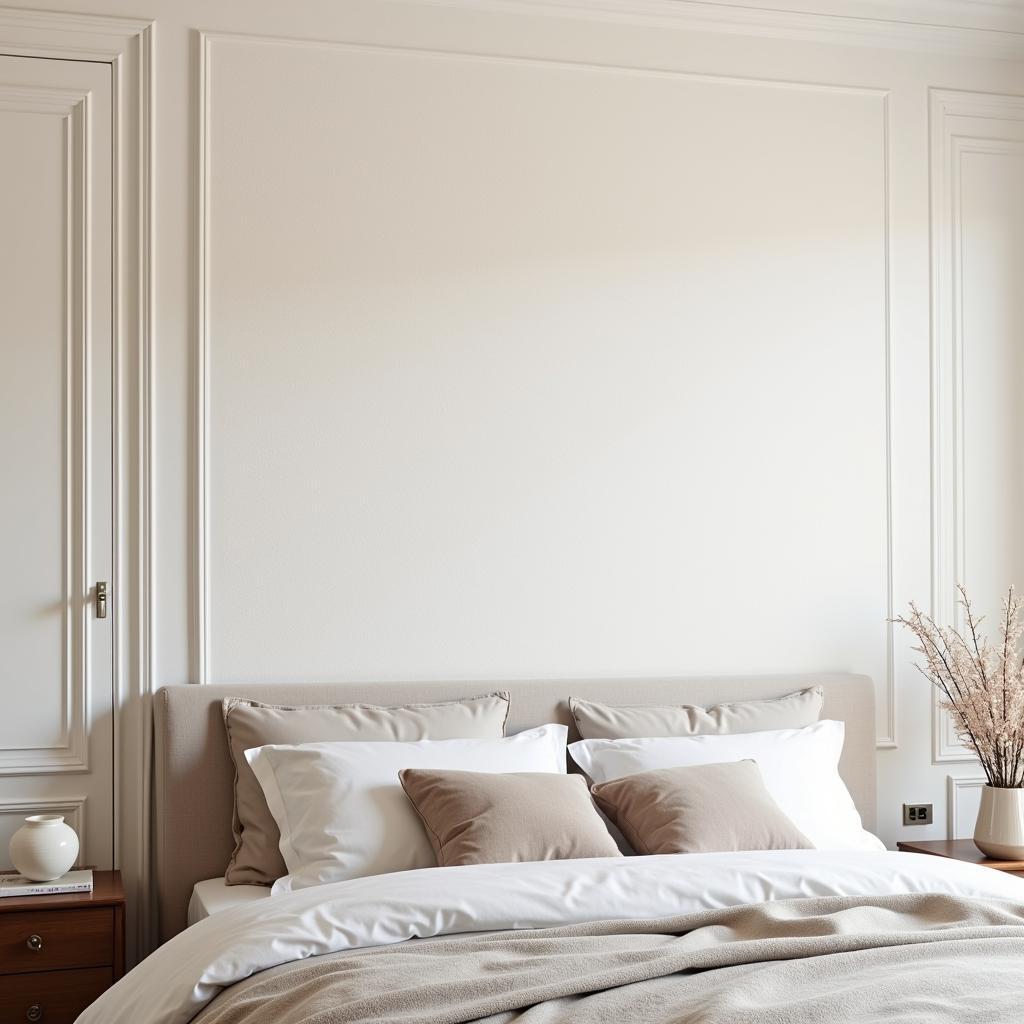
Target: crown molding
point(975, 28)
point(97, 37)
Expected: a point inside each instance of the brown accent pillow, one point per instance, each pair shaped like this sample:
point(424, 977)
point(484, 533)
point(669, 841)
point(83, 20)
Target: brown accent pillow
point(597, 721)
point(490, 818)
point(256, 859)
point(705, 808)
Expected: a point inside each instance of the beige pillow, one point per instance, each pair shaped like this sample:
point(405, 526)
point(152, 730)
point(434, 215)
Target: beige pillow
point(256, 859)
point(609, 722)
point(705, 808)
point(485, 818)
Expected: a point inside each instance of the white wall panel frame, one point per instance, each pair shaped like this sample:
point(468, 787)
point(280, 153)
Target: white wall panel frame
point(72, 809)
point(71, 754)
point(127, 44)
point(203, 670)
point(956, 828)
point(961, 123)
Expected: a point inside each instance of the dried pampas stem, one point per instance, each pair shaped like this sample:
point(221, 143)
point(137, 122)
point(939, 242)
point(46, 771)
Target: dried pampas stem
point(981, 686)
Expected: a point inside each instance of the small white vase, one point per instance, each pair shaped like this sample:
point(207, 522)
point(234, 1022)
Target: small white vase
point(1000, 829)
point(44, 848)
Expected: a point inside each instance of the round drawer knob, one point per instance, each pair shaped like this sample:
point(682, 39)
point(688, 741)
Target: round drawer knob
point(35, 943)
point(34, 1012)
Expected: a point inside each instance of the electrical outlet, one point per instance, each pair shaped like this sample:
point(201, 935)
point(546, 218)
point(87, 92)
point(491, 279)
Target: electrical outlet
point(917, 814)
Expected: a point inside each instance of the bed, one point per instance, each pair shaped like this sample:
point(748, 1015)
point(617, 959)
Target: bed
point(213, 896)
point(781, 935)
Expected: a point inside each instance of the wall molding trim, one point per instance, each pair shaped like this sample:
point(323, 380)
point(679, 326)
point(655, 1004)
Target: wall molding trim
point(202, 667)
point(54, 34)
point(72, 808)
point(201, 380)
point(127, 44)
point(959, 123)
point(907, 25)
point(72, 753)
point(887, 739)
point(954, 785)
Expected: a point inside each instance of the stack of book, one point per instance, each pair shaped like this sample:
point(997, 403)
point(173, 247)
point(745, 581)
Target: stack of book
point(19, 885)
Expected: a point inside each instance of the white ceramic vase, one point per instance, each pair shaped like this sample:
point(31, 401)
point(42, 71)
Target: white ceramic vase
point(44, 848)
point(1000, 829)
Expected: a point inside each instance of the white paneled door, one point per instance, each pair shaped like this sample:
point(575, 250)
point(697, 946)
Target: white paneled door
point(56, 669)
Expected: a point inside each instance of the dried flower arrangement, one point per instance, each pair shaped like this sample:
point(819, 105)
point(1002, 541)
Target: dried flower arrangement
point(982, 685)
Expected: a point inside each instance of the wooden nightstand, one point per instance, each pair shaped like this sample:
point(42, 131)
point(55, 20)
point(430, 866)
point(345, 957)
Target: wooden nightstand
point(60, 953)
point(962, 849)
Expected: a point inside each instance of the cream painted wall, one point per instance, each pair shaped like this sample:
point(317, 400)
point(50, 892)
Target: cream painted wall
point(581, 343)
point(559, 330)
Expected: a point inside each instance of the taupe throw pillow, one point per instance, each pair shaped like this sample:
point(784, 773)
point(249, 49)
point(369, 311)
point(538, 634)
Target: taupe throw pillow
point(623, 722)
point(256, 859)
point(486, 818)
point(706, 808)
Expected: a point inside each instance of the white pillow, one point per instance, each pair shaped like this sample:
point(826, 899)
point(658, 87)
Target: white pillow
point(800, 768)
point(343, 814)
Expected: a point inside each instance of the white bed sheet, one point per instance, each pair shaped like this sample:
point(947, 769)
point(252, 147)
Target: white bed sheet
point(214, 895)
point(173, 984)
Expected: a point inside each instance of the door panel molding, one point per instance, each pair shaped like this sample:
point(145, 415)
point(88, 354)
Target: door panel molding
point(127, 45)
point(72, 753)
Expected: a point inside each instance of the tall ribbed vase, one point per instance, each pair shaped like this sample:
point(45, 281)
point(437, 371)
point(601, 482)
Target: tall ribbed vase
point(1000, 830)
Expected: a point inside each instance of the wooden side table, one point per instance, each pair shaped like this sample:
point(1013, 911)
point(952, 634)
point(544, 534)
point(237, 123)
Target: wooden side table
point(962, 849)
point(60, 953)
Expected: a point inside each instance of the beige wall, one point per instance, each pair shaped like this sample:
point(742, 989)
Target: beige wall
point(521, 344)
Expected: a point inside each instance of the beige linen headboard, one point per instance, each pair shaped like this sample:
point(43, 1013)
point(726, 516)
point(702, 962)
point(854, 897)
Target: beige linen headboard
point(194, 776)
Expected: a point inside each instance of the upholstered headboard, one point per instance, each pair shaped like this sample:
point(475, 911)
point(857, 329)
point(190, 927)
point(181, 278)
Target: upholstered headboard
point(194, 776)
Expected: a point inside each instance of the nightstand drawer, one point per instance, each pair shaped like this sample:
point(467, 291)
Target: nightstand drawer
point(54, 998)
point(48, 940)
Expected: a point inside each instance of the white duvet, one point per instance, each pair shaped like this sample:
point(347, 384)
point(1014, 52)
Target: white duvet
point(173, 984)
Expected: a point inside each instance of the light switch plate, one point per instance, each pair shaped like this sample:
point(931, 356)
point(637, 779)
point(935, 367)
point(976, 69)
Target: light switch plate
point(917, 814)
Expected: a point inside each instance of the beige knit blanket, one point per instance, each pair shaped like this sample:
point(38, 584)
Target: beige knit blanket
point(925, 958)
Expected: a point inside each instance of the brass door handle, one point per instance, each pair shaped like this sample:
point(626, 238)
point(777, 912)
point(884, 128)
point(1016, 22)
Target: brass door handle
point(101, 599)
point(35, 943)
